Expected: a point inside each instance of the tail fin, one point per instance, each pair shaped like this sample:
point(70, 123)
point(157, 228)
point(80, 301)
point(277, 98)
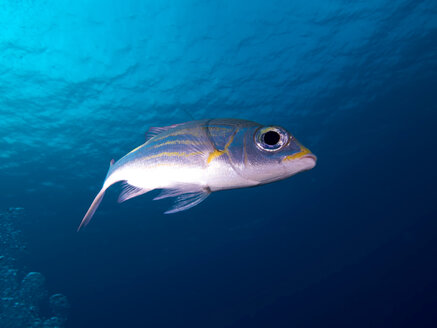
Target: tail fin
point(89, 214)
point(96, 202)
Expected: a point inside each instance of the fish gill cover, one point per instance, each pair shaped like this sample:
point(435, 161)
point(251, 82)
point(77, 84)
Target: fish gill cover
point(81, 82)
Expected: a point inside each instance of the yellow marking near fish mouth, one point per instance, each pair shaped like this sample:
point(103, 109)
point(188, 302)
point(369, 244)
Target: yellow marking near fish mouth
point(217, 153)
point(304, 151)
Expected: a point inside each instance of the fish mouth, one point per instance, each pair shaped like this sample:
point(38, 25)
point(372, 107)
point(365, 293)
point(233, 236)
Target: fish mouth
point(305, 153)
point(313, 157)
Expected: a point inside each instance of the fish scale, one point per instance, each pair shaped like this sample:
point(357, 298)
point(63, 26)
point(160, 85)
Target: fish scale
point(189, 161)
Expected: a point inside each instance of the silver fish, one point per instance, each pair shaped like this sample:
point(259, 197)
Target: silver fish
point(190, 160)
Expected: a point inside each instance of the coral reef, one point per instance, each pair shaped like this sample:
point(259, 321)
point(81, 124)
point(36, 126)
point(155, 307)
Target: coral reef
point(24, 302)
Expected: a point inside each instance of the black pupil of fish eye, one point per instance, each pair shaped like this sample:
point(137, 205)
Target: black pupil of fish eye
point(271, 138)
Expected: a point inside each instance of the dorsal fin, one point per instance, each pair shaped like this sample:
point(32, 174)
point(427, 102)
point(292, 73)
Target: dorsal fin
point(155, 130)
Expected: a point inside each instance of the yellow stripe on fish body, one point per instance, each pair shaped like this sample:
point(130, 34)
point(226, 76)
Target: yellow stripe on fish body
point(177, 142)
point(188, 132)
point(193, 138)
point(170, 154)
point(191, 160)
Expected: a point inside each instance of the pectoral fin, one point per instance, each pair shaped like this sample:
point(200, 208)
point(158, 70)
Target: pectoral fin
point(186, 197)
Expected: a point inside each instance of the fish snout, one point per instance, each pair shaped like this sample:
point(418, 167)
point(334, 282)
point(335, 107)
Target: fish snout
point(311, 156)
point(302, 153)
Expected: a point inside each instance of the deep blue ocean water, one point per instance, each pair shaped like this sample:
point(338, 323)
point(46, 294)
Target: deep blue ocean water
point(351, 243)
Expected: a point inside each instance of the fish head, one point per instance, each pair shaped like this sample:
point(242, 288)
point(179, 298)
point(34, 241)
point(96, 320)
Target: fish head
point(271, 153)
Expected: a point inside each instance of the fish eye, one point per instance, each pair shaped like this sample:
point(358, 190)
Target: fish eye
point(271, 138)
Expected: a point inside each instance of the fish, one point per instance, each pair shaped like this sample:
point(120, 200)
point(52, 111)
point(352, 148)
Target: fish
point(189, 161)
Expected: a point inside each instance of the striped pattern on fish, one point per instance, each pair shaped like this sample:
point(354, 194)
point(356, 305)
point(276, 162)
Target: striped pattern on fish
point(191, 160)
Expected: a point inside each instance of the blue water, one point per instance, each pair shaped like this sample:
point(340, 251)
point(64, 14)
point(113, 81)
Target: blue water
point(350, 243)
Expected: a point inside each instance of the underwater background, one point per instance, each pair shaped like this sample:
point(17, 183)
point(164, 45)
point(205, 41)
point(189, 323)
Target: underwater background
point(350, 243)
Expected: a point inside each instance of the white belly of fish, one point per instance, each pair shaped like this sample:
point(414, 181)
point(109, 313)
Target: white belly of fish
point(215, 176)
